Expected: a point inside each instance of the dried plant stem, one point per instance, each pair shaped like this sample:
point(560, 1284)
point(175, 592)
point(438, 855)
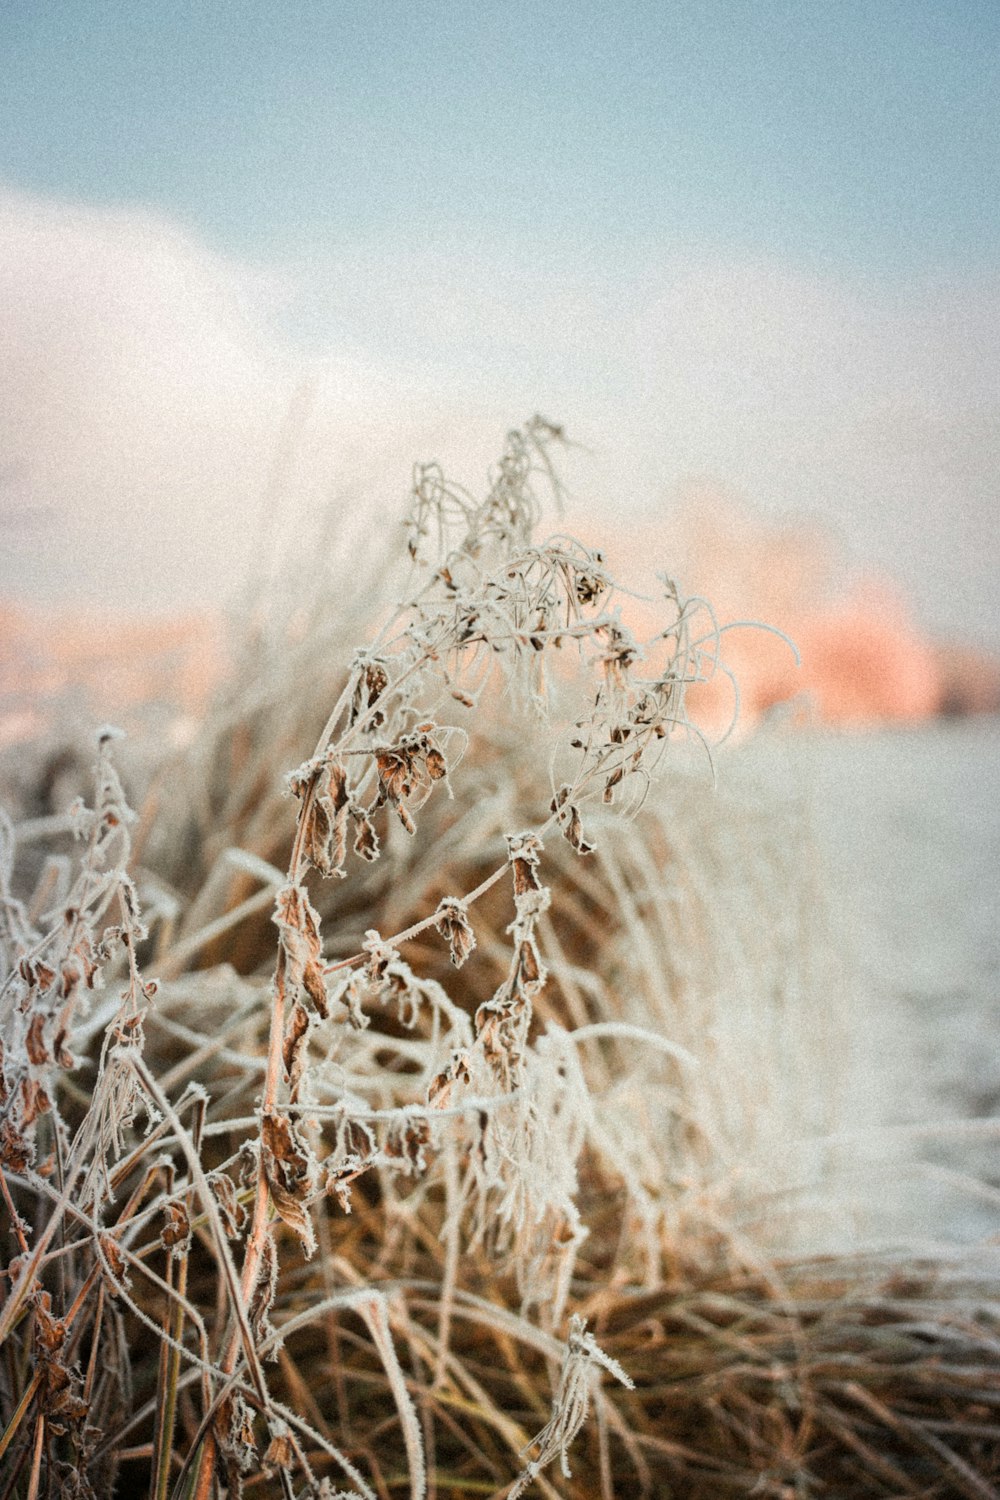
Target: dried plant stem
point(29, 1272)
point(242, 1335)
point(22, 1406)
point(168, 1382)
point(36, 1459)
point(257, 1236)
point(14, 1217)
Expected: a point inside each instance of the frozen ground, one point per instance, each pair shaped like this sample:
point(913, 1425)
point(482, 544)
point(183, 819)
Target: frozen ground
point(909, 824)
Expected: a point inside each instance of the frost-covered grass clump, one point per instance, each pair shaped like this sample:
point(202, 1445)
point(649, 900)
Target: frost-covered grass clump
point(358, 1116)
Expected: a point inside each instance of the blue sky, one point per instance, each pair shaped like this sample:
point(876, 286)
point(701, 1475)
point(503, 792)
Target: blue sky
point(863, 134)
point(755, 243)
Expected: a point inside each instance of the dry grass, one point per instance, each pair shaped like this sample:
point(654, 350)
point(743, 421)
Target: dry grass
point(329, 1173)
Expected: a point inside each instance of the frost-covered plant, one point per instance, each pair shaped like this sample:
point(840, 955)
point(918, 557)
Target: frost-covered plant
point(402, 1153)
point(496, 1113)
point(491, 599)
point(82, 923)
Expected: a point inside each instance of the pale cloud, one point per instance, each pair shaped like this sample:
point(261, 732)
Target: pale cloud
point(150, 413)
point(153, 393)
point(137, 395)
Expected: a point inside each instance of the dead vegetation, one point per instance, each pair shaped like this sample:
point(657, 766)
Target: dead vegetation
point(412, 1123)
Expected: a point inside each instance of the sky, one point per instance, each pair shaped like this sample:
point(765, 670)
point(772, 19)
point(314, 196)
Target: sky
point(255, 259)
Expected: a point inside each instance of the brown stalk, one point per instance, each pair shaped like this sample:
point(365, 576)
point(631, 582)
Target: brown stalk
point(272, 1084)
point(88, 1384)
point(168, 1378)
point(22, 1406)
point(36, 1459)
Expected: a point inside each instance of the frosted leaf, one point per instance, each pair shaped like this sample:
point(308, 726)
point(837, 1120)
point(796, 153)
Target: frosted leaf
point(292, 1171)
point(298, 924)
point(452, 921)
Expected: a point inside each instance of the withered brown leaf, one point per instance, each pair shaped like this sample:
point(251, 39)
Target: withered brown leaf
point(234, 1215)
point(112, 1252)
point(523, 850)
point(298, 924)
point(570, 821)
point(293, 1049)
point(291, 1172)
point(452, 922)
point(176, 1232)
point(35, 1043)
point(407, 1142)
point(366, 841)
point(264, 1291)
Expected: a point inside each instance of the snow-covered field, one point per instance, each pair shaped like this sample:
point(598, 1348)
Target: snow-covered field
point(908, 822)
